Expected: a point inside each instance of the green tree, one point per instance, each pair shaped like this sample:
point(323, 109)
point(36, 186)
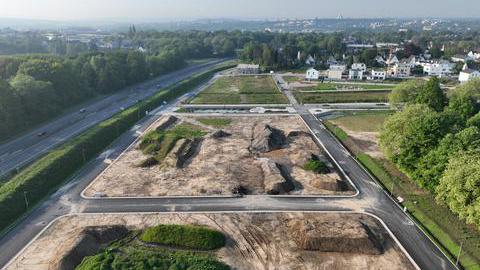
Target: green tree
point(474, 121)
point(459, 186)
point(432, 165)
point(410, 134)
point(406, 92)
point(463, 103)
point(432, 95)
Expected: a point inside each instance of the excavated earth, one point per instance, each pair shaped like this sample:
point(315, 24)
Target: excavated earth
point(254, 240)
point(251, 155)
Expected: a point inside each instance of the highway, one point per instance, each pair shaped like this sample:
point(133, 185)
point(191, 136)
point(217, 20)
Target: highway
point(371, 198)
point(21, 151)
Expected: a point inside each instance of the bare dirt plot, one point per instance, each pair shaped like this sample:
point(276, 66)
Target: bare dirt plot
point(256, 155)
point(363, 129)
point(254, 240)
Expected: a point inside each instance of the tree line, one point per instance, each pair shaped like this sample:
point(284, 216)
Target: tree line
point(435, 140)
point(36, 88)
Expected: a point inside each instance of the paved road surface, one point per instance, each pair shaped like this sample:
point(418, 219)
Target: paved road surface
point(370, 199)
point(27, 148)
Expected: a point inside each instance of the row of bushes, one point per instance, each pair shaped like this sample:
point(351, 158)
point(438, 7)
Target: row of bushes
point(43, 176)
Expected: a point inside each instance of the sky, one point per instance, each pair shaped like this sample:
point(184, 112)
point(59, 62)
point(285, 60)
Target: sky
point(165, 10)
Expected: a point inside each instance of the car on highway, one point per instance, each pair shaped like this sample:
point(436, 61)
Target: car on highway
point(41, 134)
point(82, 110)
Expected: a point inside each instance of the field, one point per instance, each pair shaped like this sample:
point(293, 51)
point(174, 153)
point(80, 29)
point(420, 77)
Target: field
point(359, 134)
point(253, 241)
point(224, 156)
point(241, 90)
point(341, 97)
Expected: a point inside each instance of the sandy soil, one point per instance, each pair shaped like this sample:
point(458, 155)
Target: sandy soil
point(255, 240)
point(220, 165)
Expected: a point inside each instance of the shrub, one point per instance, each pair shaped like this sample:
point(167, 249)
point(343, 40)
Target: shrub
point(184, 236)
point(316, 165)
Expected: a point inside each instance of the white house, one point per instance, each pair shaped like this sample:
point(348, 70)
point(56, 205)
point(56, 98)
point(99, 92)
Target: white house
point(440, 68)
point(359, 66)
point(377, 75)
point(310, 60)
point(474, 55)
point(355, 74)
point(468, 74)
point(335, 72)
point(312, 74)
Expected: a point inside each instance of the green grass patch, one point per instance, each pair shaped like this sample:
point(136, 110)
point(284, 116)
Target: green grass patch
point(362, 121)
point(443, 226)
point(158, 143)
point(316, 165)
point(341, 97)
point(184, 236)
point(129, 253)
point(241, 90)
point(215, 122)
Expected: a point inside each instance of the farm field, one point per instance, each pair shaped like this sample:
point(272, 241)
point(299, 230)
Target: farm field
point(341, 97)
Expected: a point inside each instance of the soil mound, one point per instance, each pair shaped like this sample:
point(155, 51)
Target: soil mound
point(332, 236)
point(90, 241)
point(266, 138)
point(274, 180)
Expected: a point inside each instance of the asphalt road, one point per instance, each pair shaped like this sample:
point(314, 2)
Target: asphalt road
point(371, 199)
point(27, 148)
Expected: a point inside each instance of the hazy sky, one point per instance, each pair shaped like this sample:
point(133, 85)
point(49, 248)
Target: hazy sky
point(191, 9)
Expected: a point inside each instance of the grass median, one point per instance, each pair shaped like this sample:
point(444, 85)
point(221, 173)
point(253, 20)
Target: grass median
point(44, 176)
point(444, 227)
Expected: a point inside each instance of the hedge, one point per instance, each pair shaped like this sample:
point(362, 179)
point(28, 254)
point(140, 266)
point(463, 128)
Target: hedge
point(46, 174)
point(184, 236)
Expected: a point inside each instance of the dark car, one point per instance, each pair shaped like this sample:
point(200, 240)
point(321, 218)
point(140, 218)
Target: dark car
point(40, 134)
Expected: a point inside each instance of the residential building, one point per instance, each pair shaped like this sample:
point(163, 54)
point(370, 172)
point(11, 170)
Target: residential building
point(310, 60)
point(312, 74)
point(355, 74)
point(399, 70)
point(377, 75)
point(392, 60)
point(379, 59)
point(335, 72)
point(440, 68)
point(474, 55)
point(248, 69)
point(359, 66)
point(468, 74)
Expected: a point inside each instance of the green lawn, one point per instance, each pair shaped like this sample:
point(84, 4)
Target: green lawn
point(130, 253)
point(241, 90)
point(439, 222)
point(341, 97)
point(215, 122)
point(362, 121)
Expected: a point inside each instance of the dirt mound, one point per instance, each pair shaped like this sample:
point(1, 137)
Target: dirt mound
point(266, 138)
point(220, 134)
point(274, 180)
point(90, 241)
point(188, 151)
point(332, 236)
point(183, 151)
point(167, 123)
point(332, 184)
point(292, 135)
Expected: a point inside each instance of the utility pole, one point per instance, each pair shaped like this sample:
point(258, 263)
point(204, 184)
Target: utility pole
point(459, 253)
point(26, 200)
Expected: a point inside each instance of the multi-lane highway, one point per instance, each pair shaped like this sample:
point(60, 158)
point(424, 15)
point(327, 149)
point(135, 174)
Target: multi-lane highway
point(370, 198)
point(25, 149)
